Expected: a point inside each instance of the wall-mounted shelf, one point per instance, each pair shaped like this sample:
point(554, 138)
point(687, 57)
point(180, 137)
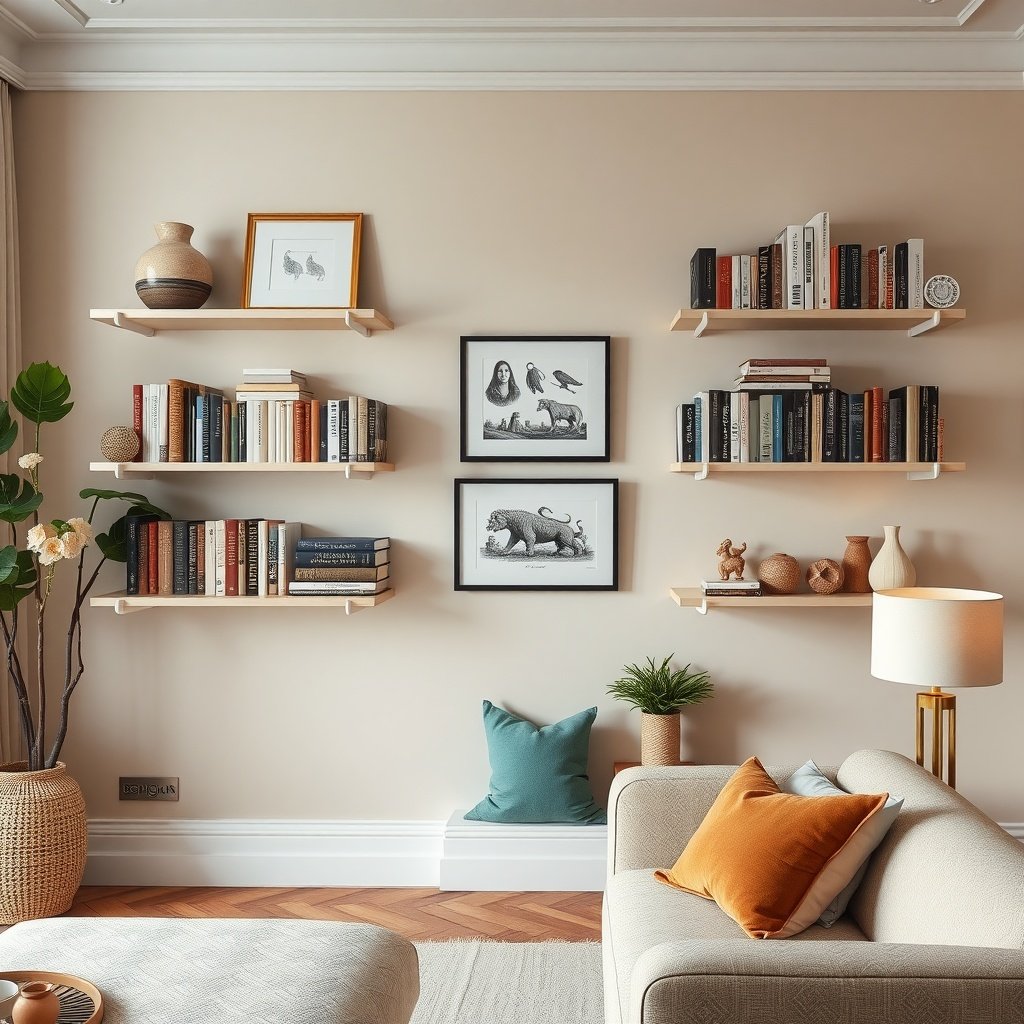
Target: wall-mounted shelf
point(148, 322)
point(694, 597)
point(716, 321)
point(147, 470)
point(124, 604)
point(913, 470)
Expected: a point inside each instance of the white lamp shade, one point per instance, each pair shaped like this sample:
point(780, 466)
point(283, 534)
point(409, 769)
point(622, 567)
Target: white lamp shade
point(937, 636)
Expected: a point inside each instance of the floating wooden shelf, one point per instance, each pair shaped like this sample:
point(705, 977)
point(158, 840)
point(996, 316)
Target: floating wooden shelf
point(123, 603)
point(913, 470)
point(694, 597)
point(147, 470)
point(148, 322)
point(914, 321)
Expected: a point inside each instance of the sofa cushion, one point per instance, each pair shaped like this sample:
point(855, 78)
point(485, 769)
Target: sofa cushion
point(640, 913)
point(772, 861)
point(809, 780)
point(538, 775)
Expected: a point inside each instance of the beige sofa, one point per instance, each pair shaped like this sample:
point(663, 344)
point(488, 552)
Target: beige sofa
point(934, 934)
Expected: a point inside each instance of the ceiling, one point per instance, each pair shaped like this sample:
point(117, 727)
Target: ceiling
point(512, 44)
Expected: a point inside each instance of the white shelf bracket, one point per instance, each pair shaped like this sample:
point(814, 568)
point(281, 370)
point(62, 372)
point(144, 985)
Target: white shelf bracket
point(351, 607)
point(701, 327)
point(356, 325)
point(702, 473)
point(702, 608)
point(932, 473)
point(122, 607)
point(127, 324)
point(122, 471)
point(926, 325)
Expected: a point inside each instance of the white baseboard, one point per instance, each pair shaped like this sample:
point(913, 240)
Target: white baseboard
point(480, 856)
point(264, 853)
point(456, 855)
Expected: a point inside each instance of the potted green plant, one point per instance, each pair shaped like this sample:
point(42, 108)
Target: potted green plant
point(660, 693)
point(42, 811)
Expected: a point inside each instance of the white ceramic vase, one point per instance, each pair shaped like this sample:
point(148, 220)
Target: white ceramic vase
point(891, 567)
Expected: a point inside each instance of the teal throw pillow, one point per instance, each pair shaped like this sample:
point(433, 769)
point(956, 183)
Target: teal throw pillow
point(538, 775)
point(809, 780)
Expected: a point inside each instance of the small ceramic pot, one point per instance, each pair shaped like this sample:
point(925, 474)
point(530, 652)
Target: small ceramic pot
point(172, 274)
point(37, 1003)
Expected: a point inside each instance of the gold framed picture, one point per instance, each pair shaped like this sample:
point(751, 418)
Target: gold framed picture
point(301, 260)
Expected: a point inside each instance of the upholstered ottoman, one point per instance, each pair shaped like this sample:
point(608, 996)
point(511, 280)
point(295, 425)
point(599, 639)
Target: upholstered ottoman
point(204, 971)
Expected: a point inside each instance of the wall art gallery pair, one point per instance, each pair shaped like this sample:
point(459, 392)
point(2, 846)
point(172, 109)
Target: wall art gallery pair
point(536, 399)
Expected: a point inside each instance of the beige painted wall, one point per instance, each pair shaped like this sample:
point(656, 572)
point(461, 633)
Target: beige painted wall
point(523, 213)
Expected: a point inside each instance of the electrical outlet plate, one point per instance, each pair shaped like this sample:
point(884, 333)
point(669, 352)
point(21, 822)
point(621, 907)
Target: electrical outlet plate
point(147, 787)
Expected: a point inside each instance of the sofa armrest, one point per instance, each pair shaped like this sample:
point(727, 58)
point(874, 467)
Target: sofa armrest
point(825, 982)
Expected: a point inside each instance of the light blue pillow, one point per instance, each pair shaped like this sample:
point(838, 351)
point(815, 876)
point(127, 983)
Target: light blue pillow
point(808, 780)
point(538, 775)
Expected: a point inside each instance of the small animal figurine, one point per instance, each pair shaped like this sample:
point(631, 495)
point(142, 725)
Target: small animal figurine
point(731, 559)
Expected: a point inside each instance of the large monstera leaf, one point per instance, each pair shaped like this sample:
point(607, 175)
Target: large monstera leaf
point(40, 393)
point(18, 572)
point(114, 543)
point(18, 498)
point(8, 428)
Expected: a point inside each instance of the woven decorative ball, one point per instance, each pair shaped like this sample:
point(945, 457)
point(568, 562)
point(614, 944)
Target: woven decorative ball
point(825, 576)
point(779, 574)
point(119, 444)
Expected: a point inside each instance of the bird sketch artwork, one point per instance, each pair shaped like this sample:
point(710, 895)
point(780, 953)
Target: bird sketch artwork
point(544, 536)
point(294, 269)
point(532, 418)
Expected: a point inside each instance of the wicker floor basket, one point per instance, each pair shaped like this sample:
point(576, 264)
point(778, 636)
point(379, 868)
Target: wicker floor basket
point(42, 841)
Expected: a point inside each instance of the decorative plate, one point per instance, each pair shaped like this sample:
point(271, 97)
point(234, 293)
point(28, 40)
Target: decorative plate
point(941, 291)
point(80, 1002)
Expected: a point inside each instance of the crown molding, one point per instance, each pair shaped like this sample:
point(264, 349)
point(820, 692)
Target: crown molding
point(515, 81)
point(430, 58)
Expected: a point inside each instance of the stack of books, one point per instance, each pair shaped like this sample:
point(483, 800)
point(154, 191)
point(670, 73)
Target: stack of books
point(731, 588)
point(341, 565)
point(273, 409)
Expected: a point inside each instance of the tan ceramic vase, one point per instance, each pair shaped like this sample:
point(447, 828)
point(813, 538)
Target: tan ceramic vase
point(779, 574)
point(659, 739)
point(43, 841)
point(892, 567)
point(856, 562)
point(37, 1003)
point(173, 275)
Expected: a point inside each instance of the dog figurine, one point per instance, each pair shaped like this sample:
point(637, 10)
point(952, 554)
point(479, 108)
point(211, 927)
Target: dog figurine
point(731, 559)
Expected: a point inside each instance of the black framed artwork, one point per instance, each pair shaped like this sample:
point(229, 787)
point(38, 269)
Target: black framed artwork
point(535, 399)
point(536, 534)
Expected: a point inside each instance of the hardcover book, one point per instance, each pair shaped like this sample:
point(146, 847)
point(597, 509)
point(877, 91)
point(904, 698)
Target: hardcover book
point(342, 543)
point(702, 279)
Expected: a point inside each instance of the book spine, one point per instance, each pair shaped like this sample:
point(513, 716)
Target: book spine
point(371, 429)
point(175, 422)
point(765, 433)
point(883, 275)
point(273, 557)
point(161, 422)
point(350, 575)
point(900, 279)
point(833, 277)
point(153, 557)
point(878, 450)
point(702, 279)
point(744, 282)
point(723, 293)
point(822, 259)
point(196, 557)
point(137, 418)
point(872, 279)
point(843, 429)
point(734, 426)
point(323, 431)
point(689, 452)
point(216, 428)
point(381, 453)
point(809, 297)
point(778, 429)
point(220, 554)
point(262, 554)
point(178, 575)
point(764, 277)
point(230, 557)
point(830, 428)
point(737, 282)
point(856, 429)
point(336, 559)
point(131, 563)
point(333, 431)
point(777, 276)
point(794, 266)
point(915, 273)
point(314, 430)
point(361, 455)
point(361, 544)
point(854, 264)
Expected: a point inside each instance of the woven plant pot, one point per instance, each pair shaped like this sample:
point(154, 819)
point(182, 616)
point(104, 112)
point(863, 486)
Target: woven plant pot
point(659, 739)
point(42, 841)
point(779, 574)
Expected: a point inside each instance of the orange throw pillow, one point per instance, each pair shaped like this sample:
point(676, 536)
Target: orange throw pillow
point(771, 860)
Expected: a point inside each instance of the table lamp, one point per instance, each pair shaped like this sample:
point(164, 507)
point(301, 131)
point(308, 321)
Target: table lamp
point(937, 636)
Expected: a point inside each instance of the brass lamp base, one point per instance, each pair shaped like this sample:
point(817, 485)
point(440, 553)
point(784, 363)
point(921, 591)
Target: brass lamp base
point(938, 702)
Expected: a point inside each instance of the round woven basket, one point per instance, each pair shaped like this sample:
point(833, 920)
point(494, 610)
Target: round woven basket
point(780, 574)
point(659, 739)
point(42, 841)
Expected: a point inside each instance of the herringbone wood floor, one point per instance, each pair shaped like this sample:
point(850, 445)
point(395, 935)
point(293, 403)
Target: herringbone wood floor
point(416, 913)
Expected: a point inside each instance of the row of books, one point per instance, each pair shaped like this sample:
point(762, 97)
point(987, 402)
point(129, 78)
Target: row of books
point(272, 418)
point(248, 558)
point(731, 588)
point(796, 415)
point(802, 269)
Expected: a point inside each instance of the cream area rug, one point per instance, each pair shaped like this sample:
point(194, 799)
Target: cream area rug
point(473, 982)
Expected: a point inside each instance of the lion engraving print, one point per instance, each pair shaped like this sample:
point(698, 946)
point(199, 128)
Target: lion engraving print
point(558, 411)
point(533, 528)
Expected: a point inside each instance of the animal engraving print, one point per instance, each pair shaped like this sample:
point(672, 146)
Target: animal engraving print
point(531, 529)
point(314, 269)
point(572, 414)
point(292, 267)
